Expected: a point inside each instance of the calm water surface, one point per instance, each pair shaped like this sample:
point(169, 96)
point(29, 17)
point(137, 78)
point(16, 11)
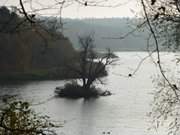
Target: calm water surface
point(123, 113)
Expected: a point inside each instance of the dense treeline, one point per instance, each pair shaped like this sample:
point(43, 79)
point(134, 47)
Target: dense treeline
point(30, 50)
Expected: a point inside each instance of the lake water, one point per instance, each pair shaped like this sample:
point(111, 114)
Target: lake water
point(123, 113)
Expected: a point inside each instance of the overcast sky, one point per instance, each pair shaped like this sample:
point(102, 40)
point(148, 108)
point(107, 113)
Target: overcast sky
point(126, 8)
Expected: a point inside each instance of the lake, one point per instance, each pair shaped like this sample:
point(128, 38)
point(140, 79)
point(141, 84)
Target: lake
point(123, 113)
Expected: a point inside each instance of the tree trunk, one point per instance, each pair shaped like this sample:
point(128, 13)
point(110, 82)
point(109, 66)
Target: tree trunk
point(89, 83)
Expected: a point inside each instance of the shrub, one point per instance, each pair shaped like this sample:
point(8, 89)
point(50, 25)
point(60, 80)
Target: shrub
point(74, 90)
point(17, 118)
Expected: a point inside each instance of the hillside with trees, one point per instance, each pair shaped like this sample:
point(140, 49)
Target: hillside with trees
point(30, 51)
point(109, 33)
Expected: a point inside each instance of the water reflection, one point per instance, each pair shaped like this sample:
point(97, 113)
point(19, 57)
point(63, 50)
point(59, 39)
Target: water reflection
point(122, 113)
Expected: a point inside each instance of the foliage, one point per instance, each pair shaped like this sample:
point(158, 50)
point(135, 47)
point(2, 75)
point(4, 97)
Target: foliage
point(164, 17)
point(30, 48)
point(165, 108)
point(17, 118)
point(74, 90)
point(163, 21)
point(10, 20)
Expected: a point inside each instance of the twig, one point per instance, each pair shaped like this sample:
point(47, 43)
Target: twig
point(25, 13)
point(158, 52)
point(128, 33)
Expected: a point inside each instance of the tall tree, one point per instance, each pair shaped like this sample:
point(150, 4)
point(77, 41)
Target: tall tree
point(89, 66)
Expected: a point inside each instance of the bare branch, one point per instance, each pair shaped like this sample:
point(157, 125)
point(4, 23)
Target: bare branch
point(157, 50)
point(25, 13)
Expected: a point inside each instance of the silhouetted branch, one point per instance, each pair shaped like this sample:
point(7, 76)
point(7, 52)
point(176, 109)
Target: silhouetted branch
point(128, 33)
point(30, 19)
point(157, 50)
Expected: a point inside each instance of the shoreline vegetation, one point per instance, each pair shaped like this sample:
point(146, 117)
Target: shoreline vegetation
point(30, 57)
point(56, 73)
point(75, 91)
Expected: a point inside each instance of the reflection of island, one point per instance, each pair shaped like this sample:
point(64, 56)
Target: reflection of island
point(87, 123)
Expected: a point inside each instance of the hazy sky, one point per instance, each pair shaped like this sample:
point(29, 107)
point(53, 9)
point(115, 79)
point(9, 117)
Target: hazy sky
point(126, 8)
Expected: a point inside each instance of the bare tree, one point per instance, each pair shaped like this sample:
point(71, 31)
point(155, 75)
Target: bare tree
point(89, 65)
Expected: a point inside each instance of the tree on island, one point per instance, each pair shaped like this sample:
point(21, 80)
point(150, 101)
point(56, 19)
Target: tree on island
point(89, 66)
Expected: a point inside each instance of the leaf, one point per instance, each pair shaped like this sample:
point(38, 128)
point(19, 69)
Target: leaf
point(153, 2)
point(156, 16)
point(162, 8)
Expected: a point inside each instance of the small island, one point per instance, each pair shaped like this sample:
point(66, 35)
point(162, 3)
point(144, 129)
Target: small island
point(90, 68)
point(76, 91)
